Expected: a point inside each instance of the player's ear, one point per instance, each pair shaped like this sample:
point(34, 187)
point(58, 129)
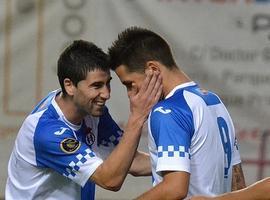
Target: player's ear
point(152, 65)
point(69, 86)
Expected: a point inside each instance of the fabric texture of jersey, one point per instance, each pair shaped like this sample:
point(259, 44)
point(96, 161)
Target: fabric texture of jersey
point(191, 130)
point(53, 159)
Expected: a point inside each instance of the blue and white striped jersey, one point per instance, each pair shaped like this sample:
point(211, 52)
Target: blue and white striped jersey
point(191, 131)
point(53, 158)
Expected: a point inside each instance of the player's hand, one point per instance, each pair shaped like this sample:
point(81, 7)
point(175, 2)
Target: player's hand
point(142, 99)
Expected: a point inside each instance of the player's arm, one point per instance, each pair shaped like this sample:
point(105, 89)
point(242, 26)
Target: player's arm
point(174, 186)
point(257, 191)
point(112, 172)
point(141, 165)
point(238, 180)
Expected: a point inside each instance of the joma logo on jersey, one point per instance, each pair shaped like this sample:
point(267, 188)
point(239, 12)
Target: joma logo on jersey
point(60, 132)
point(160, 109)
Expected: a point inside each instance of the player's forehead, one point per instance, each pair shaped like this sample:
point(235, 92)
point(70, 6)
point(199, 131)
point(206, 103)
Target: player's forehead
point(98, 75)
point(127, 76)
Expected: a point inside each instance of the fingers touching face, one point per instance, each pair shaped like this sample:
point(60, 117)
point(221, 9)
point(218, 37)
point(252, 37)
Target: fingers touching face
point(134, 81)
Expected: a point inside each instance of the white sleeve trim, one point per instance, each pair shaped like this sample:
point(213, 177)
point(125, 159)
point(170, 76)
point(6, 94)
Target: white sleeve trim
point(88, 173)
point(161, 168)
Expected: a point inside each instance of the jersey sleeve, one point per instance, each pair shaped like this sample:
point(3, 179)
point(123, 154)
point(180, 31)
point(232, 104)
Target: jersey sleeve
point(57, 148)
point(172, 131)
point(235, 153)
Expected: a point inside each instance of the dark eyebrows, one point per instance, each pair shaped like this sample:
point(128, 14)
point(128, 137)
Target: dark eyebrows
point(127, 82)
point(96, 83)
point(100, 82)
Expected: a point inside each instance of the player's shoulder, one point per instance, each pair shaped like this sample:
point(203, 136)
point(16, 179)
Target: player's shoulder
point(44, 112)
point(45, 102)
point(173, 105)
point(199, 96)
point(162, 107)
point(52, 129)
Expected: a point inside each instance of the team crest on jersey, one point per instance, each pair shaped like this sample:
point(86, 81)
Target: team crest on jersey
point(70, 145)
point(90, 137)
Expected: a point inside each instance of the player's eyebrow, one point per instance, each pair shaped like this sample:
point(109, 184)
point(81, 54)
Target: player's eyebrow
point(127, 82)
point(100, 82)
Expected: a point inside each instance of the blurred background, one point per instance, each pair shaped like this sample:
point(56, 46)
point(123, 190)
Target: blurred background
point(224, 45)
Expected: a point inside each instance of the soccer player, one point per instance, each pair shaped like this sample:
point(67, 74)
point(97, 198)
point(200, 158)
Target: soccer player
point(66, 143)
point(257, 191)
point(192, 140)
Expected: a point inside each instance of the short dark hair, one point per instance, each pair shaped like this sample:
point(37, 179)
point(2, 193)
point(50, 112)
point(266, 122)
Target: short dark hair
point(135, 46)
point(78, 59)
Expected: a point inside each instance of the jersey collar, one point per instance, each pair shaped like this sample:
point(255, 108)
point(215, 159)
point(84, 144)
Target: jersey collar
point(187, 84)
point(61, 114)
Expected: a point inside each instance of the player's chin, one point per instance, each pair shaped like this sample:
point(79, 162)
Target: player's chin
point(97, 112)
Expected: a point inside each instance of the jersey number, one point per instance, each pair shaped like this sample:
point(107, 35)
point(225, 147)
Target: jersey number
point(224, 134)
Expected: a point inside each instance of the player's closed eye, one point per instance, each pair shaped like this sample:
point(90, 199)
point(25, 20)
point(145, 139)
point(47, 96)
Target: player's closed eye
point(129, 86)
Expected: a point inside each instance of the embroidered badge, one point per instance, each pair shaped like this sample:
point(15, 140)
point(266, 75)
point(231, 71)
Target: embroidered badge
point(70, 145)
point(90, 137)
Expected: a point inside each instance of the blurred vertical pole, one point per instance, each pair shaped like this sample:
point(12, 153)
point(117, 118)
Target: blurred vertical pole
point(40, 40)
point(7, 58)
point(263, 162)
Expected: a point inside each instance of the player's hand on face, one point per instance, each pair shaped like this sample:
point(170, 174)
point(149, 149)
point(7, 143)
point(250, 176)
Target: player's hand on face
point(143, 99)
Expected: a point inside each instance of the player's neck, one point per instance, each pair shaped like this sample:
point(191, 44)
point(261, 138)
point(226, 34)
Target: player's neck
point(69, 109)
point(172, 78)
